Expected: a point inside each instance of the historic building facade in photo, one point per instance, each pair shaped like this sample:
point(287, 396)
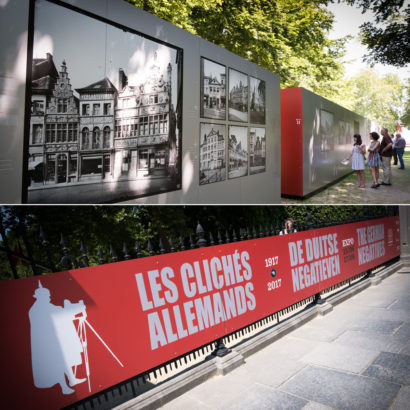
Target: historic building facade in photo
point(104, 135)
point(97, 103)
point(53, 150)
point(215, 92)
point(257, 150)
point(212, 151)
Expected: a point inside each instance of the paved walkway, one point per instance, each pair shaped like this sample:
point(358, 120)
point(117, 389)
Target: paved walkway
point(356, 357)
point(346, 192)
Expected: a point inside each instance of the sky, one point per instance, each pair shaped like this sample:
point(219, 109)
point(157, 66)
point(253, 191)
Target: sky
point(347, 21)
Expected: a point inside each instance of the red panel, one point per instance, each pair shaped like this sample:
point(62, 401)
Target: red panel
point(144, 312)
point(291, 109)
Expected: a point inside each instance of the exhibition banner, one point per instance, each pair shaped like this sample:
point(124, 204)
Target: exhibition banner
point(72, 334)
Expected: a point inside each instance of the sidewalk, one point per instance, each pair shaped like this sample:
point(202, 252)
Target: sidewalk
point(355, 357)
point(346, 192)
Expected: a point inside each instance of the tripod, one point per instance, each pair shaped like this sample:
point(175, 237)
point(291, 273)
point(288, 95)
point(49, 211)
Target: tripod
point(82, 334)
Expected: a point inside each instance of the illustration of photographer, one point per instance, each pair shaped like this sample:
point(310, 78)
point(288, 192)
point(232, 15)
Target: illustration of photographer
point(57, 345)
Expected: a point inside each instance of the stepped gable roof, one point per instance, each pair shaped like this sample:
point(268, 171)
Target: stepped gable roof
point(102, 86)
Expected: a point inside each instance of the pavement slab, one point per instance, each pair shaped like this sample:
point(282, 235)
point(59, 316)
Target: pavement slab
point(393, 367)
point(341, 390)
point(350, 358)
point(260, 397)
point(402, 400)
point(372, 341)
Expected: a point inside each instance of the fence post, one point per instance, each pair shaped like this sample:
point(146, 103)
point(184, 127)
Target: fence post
point(310, 226)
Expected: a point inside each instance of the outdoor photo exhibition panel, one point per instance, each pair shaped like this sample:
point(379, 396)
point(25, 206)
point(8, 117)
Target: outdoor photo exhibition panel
point(114, 106)
point(317, 135)
point(73, 334)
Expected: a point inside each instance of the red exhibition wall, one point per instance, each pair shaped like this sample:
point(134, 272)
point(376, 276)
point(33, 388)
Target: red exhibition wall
point(291, 119)
point(140, 313)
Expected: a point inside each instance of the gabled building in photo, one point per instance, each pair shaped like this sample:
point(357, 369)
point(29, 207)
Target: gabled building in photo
point(53, 145)
point(145, 141)
point(215, 92)
point(96, 145)
point(212, 151)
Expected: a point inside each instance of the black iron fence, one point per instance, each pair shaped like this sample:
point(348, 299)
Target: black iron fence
point(20, 252)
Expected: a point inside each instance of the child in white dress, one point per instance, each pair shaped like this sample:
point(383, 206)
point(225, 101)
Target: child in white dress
point(357, 155)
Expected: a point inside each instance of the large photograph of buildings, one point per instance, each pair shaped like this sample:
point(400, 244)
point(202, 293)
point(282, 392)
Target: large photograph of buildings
point(213, 90)
point(212, 166)
point(257, 150)
point(238, 151)
point(104, 121)
point(238, 96)
point(257, 101)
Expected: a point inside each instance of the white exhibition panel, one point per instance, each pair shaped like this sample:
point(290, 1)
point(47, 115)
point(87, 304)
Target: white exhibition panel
point(258, 188)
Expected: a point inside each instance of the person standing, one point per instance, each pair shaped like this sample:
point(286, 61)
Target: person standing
point(374, 160)
point(288, 227)
point(357, 155)
point(400, 146)
point(386, 152)
point(394, 139)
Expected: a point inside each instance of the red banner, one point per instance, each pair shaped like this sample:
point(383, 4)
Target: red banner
point(68, 335)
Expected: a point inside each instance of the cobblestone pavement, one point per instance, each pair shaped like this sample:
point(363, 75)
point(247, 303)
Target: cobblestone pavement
point(346, 192)
point(355, 357)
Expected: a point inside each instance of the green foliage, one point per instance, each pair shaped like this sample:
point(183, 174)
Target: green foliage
point(286, 37)
point(389, 44)
point(405, 118)
point(102, 226)
point(375, 97)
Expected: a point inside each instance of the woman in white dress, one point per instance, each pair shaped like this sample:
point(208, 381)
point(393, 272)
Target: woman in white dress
point(358, 157)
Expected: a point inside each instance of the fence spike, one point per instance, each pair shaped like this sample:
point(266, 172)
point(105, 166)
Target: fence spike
point(248, 233)
point(227, 237)
point(125, 251)
point(261, 234)
point(100, 256)
point(241, 232)
point(254, 232)
point(161, 246)
point(84, 255)
point(220, 241)
point(234, 238)
point(211, 239)
point(150, 250)
point(113, 254)
point(138, 249)
point(171, 245)
point(201, 236)
point(191, 242)
point(182, 243)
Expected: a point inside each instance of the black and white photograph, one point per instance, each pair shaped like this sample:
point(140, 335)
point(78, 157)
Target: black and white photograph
point(238, 96)
point(349, 134)
point(238, 151)
point(212, 167)
point(213, 90)
point(342, 132)
point(104, 111)
point(257, 150)
point(326, 131)
point(257, 100)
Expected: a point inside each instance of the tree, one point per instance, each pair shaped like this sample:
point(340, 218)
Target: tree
point(405, 118)
point(389, 44)
point(378, 98)
point(286, 37)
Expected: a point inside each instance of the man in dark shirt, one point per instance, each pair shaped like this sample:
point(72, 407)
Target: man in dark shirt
point(400, 147)
point(386, 152)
